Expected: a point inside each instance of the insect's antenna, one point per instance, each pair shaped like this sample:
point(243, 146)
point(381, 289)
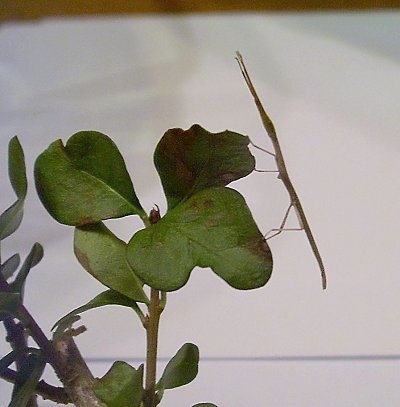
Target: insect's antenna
point(267, 122)
point(246, 75)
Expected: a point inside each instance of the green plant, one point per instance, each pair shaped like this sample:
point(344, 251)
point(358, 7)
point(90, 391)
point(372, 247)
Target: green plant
point(207, 224)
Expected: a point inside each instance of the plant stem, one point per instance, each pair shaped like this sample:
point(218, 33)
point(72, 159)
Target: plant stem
point(48, 392)
point(19, 343)
point(152, 325)
point(35, 331)
point(62, 354)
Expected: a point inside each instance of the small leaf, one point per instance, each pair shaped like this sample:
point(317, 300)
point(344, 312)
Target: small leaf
point(28, 378)
point(33, 258)
point(16, 168)
point(86, 181)
point(121, 386)
point(214, 228)
point(181, 369)
point(9, 267)
point(191, 160)
point(108, 297)
point(103, 255)
point(205, 405)
point(11, 218)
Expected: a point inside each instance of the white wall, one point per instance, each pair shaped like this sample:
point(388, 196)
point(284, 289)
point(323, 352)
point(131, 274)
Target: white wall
point(331, 83)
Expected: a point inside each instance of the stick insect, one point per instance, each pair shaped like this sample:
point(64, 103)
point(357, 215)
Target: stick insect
point(282, 172)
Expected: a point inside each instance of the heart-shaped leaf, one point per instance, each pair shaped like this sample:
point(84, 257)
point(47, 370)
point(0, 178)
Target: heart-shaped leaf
point(86, 181)
point(213, 228)
point(181, 369)
point(121, 386)
point(12, 217)
point(103, 255)
point(194, 159)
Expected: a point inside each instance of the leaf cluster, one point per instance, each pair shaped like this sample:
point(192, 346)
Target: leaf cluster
point(83, 184)
point(30, 362)
point(86, 182)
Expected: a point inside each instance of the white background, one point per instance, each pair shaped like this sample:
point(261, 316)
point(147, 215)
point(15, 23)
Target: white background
point(331, 83)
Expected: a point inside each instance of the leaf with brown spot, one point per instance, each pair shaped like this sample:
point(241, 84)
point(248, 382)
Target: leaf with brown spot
point(194, 159)
point(103, 256)
point(213, 228)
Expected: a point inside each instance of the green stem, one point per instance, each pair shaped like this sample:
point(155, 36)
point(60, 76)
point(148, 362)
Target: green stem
point(152, 325)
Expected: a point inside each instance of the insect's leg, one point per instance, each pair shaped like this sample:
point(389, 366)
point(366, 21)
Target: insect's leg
point(257, 170)
point(261, 148)
point(282, 228)
point(264, 151)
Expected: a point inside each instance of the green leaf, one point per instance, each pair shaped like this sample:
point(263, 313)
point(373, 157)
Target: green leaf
point(86, 181)
point(16, 168)
point(121, 386)
point(11, 218)
point(28, 378)
point(9, 267)
point(181, 369)
point(191, 160)
point(214, 228)
point(103, 255)
point(33, 258)
point(108, 297)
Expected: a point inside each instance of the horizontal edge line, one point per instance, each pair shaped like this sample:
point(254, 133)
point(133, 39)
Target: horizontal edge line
point(307, 358)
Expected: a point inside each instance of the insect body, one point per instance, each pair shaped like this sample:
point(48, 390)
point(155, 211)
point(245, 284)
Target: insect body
point(283, 174)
